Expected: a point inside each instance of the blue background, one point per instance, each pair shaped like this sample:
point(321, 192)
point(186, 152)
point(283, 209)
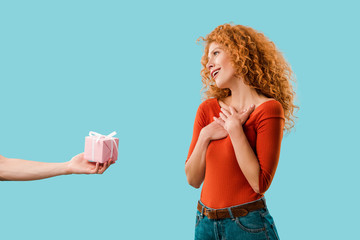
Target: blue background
point(68, 67)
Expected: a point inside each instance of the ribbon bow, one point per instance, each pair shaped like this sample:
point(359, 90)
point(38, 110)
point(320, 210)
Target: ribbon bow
point(98, 135)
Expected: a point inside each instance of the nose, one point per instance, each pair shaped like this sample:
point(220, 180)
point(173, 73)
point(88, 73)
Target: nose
point(210, 64)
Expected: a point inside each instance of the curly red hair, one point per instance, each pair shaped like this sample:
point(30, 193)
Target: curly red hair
point(257, 61)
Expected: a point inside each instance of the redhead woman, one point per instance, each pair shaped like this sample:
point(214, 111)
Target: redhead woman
point(238, 129)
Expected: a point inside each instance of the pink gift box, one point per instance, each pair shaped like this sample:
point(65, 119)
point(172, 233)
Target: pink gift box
point(100, 148)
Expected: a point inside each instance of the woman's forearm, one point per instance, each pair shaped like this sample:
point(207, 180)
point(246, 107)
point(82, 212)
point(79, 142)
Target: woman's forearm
point(246, 158)
point(195, 166)
point(12, 169)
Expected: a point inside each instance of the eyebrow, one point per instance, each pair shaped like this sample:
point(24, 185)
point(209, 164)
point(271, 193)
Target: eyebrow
point(213, 51)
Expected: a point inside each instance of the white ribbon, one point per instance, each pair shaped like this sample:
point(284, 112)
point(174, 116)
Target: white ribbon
point(99, 136)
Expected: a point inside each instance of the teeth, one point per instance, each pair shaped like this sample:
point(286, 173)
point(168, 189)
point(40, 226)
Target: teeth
point(216, 72)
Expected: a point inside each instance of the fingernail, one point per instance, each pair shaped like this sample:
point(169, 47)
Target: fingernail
point(252, 105)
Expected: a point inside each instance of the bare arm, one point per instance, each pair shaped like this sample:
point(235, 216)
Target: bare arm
point(246, 158)
point(195, 166)
point(12, 169)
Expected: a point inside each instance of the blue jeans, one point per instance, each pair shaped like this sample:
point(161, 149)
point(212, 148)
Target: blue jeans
point(255, 225)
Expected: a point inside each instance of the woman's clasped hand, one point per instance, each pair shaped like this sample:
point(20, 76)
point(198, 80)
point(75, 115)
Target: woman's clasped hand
point(232, 120)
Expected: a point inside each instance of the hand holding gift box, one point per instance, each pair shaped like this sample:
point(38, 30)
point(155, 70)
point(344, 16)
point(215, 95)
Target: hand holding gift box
point(101, 148)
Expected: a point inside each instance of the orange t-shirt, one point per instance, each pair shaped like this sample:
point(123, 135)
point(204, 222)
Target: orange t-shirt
point(224, 184)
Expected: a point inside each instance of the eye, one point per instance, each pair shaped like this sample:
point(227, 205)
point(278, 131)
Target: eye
point(216, 53)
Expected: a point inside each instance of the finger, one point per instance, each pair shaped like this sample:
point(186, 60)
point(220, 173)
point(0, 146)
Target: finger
point(96, 168)
point(226, 112)
point(222, 104)
point(219, 121)
point(222, 116)
point(249, 110)
point(232, 110)
point(101, 168)
point(104, 167)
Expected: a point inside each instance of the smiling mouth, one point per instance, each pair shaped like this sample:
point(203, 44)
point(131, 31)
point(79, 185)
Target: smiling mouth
point(215, 73)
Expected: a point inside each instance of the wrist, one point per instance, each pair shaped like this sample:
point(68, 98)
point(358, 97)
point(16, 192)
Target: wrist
point(236, 131)
point(66, 168)
point(204, 136)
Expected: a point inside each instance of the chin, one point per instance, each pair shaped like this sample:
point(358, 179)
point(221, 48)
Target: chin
point(220, 84)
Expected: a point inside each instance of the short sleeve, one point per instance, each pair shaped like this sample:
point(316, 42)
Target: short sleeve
point(199, 123)
point(268, 143)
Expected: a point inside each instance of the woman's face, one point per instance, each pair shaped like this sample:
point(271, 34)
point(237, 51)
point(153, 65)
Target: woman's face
point(220, 66)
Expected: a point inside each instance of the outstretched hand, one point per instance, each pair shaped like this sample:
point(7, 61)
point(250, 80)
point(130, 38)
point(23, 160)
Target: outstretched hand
point(232, 120)
point(79, 165)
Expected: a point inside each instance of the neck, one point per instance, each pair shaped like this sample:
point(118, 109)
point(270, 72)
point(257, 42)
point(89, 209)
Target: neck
point(242, 96)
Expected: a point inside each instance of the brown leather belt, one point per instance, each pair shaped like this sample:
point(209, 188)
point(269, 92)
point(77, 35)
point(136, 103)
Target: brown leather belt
point(239, 211)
